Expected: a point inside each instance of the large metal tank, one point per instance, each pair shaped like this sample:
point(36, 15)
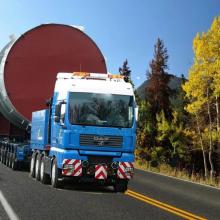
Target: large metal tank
point(29, 65)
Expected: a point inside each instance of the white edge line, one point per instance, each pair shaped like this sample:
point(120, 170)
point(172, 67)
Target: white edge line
point(173, 177)
point(10, 212)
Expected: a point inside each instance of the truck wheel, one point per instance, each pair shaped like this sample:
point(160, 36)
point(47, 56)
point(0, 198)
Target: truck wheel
point(11, 160)
point(1, 156)
point(14, 163)
point(37, 166)
point(44, 177)
point(32, 166)
point(8, 159)
point(4, 157)
point(55, 175)
point(121, 186)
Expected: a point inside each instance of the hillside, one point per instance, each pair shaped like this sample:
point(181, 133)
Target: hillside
point(175, 83)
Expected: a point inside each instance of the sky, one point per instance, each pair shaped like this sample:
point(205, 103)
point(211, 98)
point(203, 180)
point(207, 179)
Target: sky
point(122, 29)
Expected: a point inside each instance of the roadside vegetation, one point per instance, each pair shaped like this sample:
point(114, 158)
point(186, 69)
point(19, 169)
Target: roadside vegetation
point(178, 131)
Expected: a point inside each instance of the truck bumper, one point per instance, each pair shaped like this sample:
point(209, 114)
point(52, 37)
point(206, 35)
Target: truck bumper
point(101, 171)
point(99, 165)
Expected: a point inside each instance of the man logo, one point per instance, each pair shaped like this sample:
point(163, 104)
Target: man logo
point(100, 140)
point(101, 143)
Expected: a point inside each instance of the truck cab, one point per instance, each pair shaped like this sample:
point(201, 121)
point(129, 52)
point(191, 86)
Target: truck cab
point(87, 133)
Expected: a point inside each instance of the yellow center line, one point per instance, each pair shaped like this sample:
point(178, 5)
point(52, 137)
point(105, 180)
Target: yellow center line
point(164, 206)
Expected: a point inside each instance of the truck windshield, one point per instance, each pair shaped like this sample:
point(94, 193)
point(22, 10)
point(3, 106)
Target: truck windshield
point(94, 109)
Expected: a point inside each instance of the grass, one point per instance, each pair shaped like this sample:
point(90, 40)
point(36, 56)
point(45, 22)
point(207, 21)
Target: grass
point(174, 172)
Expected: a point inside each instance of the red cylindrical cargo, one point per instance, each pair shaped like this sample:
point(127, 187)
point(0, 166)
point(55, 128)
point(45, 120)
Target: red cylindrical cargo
point(29, 65)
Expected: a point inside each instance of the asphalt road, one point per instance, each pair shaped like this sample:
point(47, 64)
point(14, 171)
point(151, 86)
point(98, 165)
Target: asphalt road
point(30, 199)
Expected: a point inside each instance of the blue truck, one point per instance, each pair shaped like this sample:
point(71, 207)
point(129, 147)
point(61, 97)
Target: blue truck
point(86, 133)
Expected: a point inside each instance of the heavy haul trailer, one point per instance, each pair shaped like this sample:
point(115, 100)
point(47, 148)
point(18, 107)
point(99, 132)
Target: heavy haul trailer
point(14, 155)
point(88, 133)
point(88, 130)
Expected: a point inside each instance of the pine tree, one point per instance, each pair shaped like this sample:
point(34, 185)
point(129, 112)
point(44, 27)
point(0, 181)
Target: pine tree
point(125, 71)
point(158, 92)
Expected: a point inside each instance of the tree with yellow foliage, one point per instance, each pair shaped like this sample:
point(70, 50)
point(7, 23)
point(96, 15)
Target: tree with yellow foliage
point(203, 88)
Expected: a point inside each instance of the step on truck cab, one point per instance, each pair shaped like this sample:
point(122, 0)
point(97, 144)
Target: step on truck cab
point(88, 132)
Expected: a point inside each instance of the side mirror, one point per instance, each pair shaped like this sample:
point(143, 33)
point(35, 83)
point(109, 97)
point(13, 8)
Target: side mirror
point(57, 119)
point(60, 109)
point(136, 113)
point(57, 113)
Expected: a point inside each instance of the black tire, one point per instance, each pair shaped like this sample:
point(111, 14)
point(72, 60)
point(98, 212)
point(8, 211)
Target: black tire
point(32, 165)
point(8, 159)
point(121, 185)
point(4, 157)
point(37, 166)
point(14, 163)
point(44, 177)
point(1, 156)
point(55, 175)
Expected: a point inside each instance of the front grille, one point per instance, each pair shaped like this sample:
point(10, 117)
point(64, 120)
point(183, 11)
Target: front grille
point(101, 140)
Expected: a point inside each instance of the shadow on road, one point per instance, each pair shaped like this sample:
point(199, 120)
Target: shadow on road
point(96, 188)
point(88, 187)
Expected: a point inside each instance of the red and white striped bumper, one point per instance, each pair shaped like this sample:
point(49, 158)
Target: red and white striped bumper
point(125, 170)
point(101, 171)
point(72, 167)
